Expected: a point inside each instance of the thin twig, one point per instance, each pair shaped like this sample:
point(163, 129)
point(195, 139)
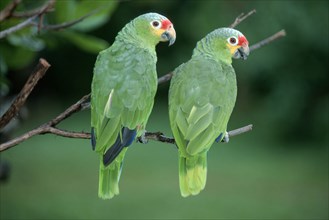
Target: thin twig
point(36, 75)
point(241, 17)
point(282, 33)
point(165, 78)
point(29, 21)
point(47, 7)
point(68, 134)
point(268, 40)
point(78, 106)
point(159, 136)
point(19, 139)
point(8, 10)
point(17, 27)
point(240, 130)
point(69, 23)
point(49, 127)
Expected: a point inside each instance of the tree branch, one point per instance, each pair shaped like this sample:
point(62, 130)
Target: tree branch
point(40, 12)
point(78, 106)
point(276, 36)
point(268, 40)
point(159, 136)
point(47, 7)
point(44, 9)
point(69, 23)
point(36, 75)
point(17, 27)
point(8, 10)
point(241, 17)
point(49, 127)
point(165, 78)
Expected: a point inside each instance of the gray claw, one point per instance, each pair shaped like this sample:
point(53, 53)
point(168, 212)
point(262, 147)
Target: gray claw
point(142, 139)
point(226, 138)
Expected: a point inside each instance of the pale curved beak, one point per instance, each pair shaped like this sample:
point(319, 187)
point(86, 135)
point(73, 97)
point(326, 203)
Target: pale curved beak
point(169, 35)
point(242, 52)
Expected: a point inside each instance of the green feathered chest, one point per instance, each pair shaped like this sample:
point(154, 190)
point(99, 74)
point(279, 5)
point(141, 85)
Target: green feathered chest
point(125, 79)
point(203, 80)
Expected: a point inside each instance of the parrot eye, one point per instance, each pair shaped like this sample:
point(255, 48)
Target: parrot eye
point(156, 24)
point(233, 41)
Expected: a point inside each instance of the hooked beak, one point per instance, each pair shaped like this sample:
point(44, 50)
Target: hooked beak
point(169, 35)
point(242, 52)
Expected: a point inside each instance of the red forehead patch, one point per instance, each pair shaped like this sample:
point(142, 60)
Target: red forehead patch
point(165, 24)
point(243, 41)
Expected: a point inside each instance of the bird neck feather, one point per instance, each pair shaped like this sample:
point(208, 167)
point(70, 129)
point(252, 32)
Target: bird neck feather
point(213, 47)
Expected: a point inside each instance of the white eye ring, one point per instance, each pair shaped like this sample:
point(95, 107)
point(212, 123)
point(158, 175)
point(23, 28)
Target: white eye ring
point(233, 41)
point(156, 24)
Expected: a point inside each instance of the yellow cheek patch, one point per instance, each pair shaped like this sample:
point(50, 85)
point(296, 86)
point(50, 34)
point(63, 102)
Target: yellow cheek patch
point(232, 48)
point(158, 32)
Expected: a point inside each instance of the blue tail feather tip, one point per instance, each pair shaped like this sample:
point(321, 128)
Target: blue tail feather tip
point(129, 137)
point(93, 138)
point(219, 138)
point(122, 141)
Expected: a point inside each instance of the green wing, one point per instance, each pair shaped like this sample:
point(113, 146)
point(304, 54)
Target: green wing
point(201, 99)
point(123, 90)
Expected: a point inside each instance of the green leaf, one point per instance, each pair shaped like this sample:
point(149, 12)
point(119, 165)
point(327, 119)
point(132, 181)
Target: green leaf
point(30, 42)
point(85, 42)
point(74, 9)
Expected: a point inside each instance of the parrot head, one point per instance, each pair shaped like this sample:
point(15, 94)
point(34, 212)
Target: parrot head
point(237, 43)
point(156, 28)
point(228, 43)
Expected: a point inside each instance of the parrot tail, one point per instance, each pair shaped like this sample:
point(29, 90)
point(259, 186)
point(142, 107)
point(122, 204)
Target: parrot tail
point(109, 180)
point(192, 174)
point(111, 164)
point(124, 140)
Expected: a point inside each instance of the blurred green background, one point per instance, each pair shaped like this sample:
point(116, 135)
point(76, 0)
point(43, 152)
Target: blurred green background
point(277, 171)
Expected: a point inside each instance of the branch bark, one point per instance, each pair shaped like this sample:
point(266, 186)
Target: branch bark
point(50, 127)
point(165, 78)
point(64, 25)
point(17, 27)
point(47, 7)
point(17, 104)
point(241, 18)
point(33, 14)
point(44, 9)
point(159, 136)
point(8, 10)
point(268, 40)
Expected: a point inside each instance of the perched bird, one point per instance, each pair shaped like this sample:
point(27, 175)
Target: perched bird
point(202, 95)
point(123, 89)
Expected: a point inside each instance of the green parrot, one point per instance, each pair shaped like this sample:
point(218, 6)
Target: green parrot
point(202, 95)
point(122, 93)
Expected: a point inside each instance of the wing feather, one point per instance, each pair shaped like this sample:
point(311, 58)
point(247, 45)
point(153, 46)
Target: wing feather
point(201, 98)
point(123, 90)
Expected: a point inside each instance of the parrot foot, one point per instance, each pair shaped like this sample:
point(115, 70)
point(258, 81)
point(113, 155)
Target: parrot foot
point(142, 139)
point(226, 138)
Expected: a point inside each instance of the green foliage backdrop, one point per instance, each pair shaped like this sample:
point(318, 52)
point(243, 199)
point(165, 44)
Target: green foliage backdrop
point(277, 171)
